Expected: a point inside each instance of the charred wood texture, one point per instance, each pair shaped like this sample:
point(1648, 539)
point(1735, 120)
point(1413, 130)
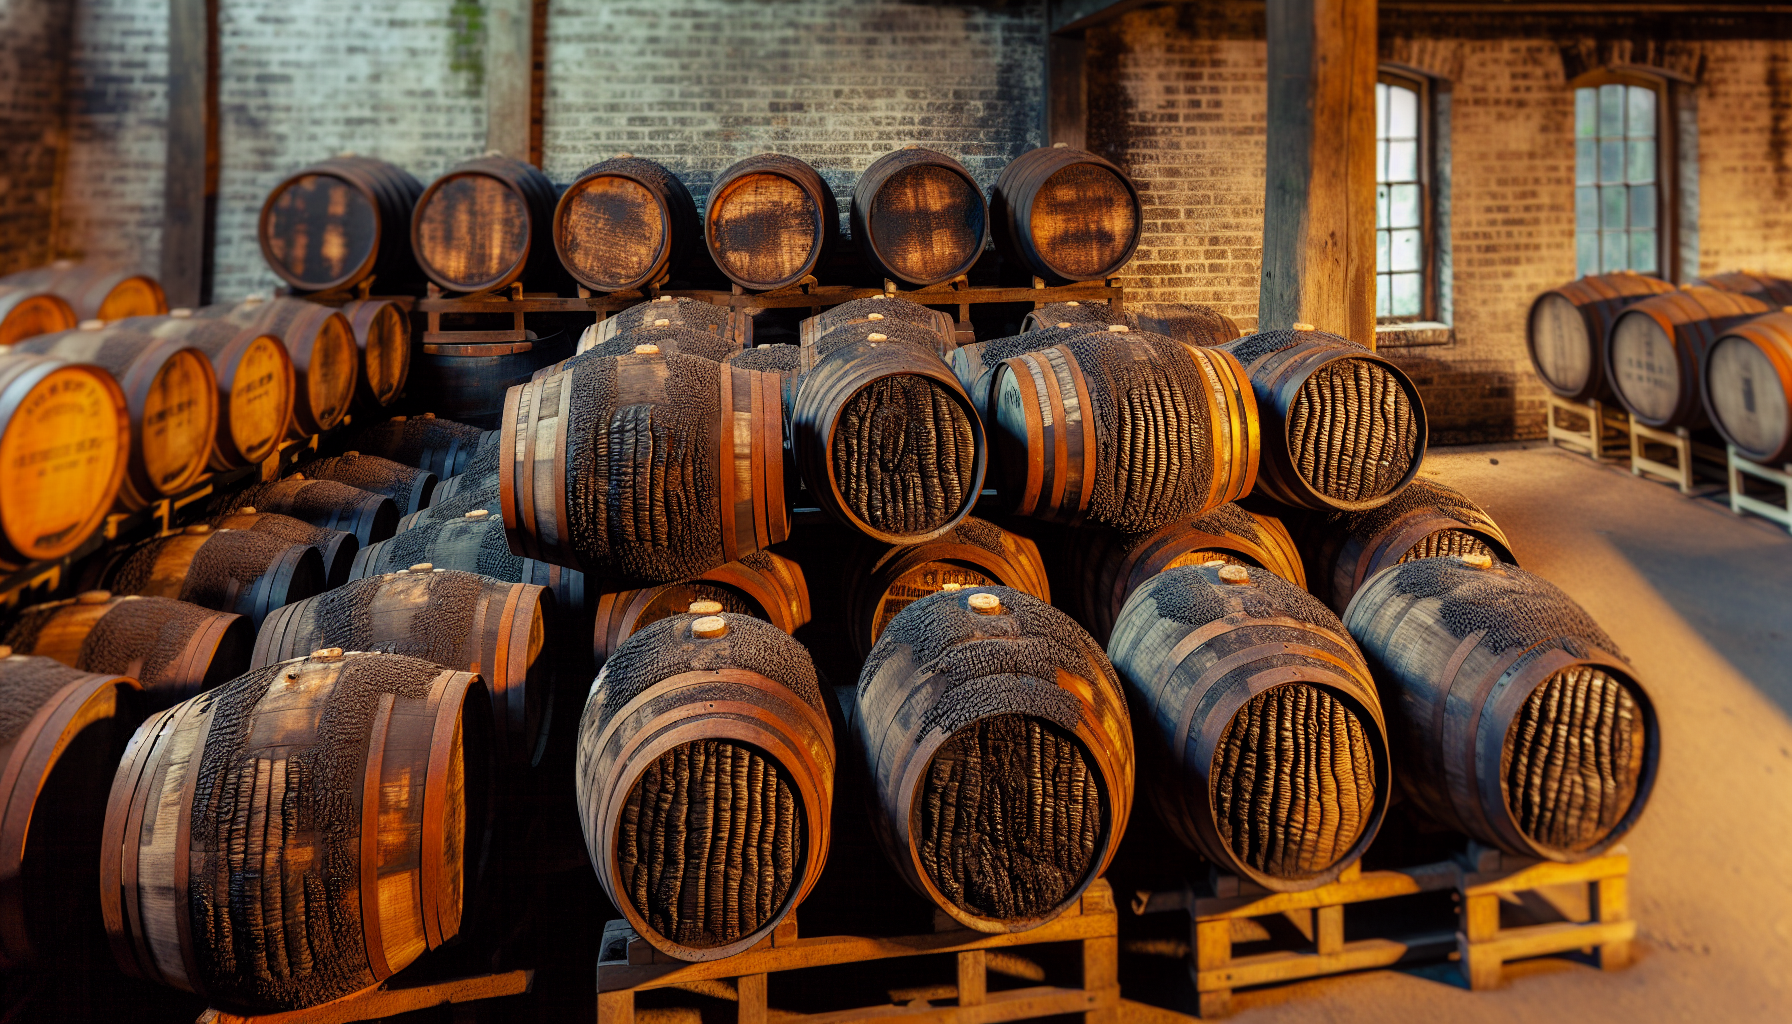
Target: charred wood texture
point(487, 223)
point(625, 223)
point(1191, 324)
point(677, 311)
point(769, 221)
point(173, 648)
point(238, 571)
point(409, 487)
point(338, 547)
point(886, 578)
point(341, 222)
point(918, 216)
point(1065, 215)
point(473, 543)
point(442, 446)
point(371, 517)
point(764, 585)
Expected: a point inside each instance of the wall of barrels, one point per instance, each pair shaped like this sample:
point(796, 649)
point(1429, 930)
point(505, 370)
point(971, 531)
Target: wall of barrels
point(366, 639)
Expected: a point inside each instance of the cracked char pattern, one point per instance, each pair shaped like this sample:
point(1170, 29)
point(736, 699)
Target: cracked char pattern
point(1573, 758)
point(904, 454)
point(1352, 430)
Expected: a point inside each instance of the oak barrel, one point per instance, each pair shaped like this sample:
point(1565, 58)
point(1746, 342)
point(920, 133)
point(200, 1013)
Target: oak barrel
point(339, 223)
point(1191, 324)
point(409, 487)
point(1512, 715)
point(1565, 331)
point(764, 585)
point(883, 579)
point(998, 747)
point(705, 781)
point(1343, 427)
point(475, 542)
point(487, 223)
point(467, 383)
point(239, 571)
point(442, 446)
point(1065, 215)
point(368, 515)
point(918, 216)
point(27, 311)
point(1746, 385)
point(301, 833)
point(65, 437)
point(625, 223)
point(769, 220)
point(661, 335)
point(1261, 737)
point(1108, 565)
point(648, 468)
point(1775, 291)
point(1426, 520)
point(884, 436)
point(382, 332)
point(321, 344)
point(887, 308)
point(62, 731)
point(255, 382)
point(472, 490)
point(458, 620)
point(338, 547)
point(171, 391)
point(174, 649)
point(733, 325)
point(1653, 352)
point(95, 291)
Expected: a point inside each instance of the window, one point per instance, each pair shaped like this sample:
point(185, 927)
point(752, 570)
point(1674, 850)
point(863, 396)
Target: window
point(1402, 204)
point(1619, 199)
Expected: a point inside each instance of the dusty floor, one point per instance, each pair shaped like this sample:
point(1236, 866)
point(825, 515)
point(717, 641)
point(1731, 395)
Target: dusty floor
point(1701, 602)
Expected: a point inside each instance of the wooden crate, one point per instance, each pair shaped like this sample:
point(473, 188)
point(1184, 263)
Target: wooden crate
point(1605, 436)
point(1741, 501)
point(1690, 457)
point(629, 965)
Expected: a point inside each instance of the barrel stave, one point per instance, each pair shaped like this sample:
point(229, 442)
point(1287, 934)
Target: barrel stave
point(329, 504)
point(173, 648)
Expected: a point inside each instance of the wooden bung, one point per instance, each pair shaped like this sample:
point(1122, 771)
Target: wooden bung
point(769, 220)
point(340, 223)
point(1565, 331)
point(338, 547)
point(1513, 717)
point(1655, 348)
point(382, 331)
point(868, 311)
point(705, 741)
point(886, 578)
point(65, 439)
point(962, 688)
point(625, 223)
point(1065, 215)
point(918, 217)
point(475, 543)
point(234, 784)
point(370, 516)
point(63, 732)
point(1260, 730)
point(27, 311)
point(171, 391)
point(255, 382)
point(459, 620)
point(487, 223)
point(94, 291)
point(174, 649)
point(657, 337)
point(239, 571)
point(479, 495)
point(1746, 387)
point(764, 585)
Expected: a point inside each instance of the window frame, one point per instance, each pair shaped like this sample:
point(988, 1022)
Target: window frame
point(1422, 85)
point(1667, 180)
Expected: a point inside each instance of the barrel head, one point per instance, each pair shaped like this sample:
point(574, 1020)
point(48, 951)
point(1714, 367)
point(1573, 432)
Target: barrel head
point(318, 231)
point(1645, 367)
point(472, 231)
point(1563, 351)
point(1745, 392)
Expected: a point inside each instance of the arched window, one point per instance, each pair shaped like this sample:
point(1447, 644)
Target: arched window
point(1621, 184)
point(1404, 289)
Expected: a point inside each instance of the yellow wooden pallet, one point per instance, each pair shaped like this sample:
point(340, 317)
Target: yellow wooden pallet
point(1689, 456)
point(1605, 436)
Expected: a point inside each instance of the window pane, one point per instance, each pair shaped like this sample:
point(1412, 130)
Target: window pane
point(1586, 208)
point(1384, 295)
point(1586, 160)
point(1408, 295)
point(1403, 161)
point(1403, 113)
point(1611, 160)
point(1381, 110)
point(1403, 206)
point(1642, 113)
point(1403, 250)
point(1614, 249)
point(1381, 252)
point(1611, 110)
point(1381, 160)
point(1614, 202)
point(1639, 160)
point(1642, 251)
point(1381, 206)
point(1586, 251)
point(1642, 206)
point(1586, 113)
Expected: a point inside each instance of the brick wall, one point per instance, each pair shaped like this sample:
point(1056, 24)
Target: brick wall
point(33, 72)
point(1745, 157)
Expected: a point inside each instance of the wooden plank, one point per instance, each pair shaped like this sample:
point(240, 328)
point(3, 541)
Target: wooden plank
point(1066, 93)
point(1268, 968)
point(1612, 865)
point(1319, 203)
point(1557, 937)
point(1014, 1004)
point(834, 295)
point(190, 184)
point(972, 977)
point(1370, 885)
point(750, 992)
point(509, 68)
point(386, 1002)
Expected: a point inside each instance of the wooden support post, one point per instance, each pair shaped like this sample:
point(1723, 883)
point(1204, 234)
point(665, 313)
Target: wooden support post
point(1611, 903)
point(509, 77)
point(616, 1007)
point(1319, 204)
point(1213, 951)
point(1481, 968)
point(751, 990)
point(190, 183)
point(1101, 979)
point(1328, 929)
point(1067, 117)
point(972, 977)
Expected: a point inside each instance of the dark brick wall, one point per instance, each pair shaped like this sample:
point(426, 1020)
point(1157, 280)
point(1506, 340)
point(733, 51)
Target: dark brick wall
point(33, 127)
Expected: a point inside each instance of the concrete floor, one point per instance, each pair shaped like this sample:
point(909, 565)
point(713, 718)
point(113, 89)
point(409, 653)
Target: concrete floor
point(1701, 602)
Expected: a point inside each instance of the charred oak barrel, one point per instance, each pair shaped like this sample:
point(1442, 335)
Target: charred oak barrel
point(459, 620)
point(1746, 385)
point(764, 585)
point(1065, 215)
point(175, 649)
point(1343, 428)
point(885, 438)
point(338, 547)
point(172, 394)
point(1261, 735)
point(769, 220)
point(467, 382)
point(1512, 715)
point(625, 223)
point(369, 516)
point(1109, 565)
point(321, 344)
point(301, 833)
point(1566, 330)
point(27, 311)
point(1775, 291)
point(887, 578)
point(646, 467)
point(486, 223)
point(474, 542)
point(65, 438)
point(238, 571)
point(918, 216)
point(998, 745)
point(661, 337)
point(880, 308)
point(95, 291)
point(1201, 326)
point(62, 731)
point(339, 223)
point(480, 490)
point(409, 487)
point(705, 781)
point(1426, 520)
point(678, 310)
point(255, 382)
point(442, 446)
point(382, 332)
point(1653, 352)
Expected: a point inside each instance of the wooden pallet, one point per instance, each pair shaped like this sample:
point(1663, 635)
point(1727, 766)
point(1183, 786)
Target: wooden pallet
point(629, 965)
point(1741, 501)
point(388, 1000)
point(1690, 457)
point(1224, 910)
point(1605, 436)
